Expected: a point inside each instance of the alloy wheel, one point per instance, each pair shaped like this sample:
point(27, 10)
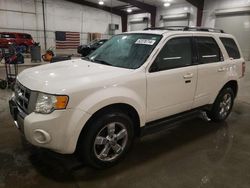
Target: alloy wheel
point(110, 141)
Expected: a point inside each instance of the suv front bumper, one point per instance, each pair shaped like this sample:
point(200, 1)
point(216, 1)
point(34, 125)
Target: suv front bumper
point(58, 131)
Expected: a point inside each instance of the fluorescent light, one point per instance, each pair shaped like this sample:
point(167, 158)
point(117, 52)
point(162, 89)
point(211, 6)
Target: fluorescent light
point(101, 2)
point(166, 4)
point(129, 10)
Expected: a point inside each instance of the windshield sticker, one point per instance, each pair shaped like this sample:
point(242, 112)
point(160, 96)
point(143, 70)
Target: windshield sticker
point(145, 41)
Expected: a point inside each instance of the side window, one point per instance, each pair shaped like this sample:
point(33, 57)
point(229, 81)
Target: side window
point(175, 54)
point(231, 47)
point(208, 50)
point(7, 35)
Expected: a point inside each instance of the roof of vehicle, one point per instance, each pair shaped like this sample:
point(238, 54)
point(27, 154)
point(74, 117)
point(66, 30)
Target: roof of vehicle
point(14, 33)
point(181, 29)
point(156, 32)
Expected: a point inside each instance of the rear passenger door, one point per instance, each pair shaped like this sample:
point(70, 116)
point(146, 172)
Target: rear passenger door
point(211, 69)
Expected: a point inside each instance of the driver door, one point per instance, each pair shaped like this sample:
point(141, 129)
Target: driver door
point(172, 79)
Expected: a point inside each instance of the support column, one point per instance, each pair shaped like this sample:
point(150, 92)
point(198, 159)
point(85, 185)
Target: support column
point(153, 18)
point(199, 16)
point(44, 26)
point(124, 22)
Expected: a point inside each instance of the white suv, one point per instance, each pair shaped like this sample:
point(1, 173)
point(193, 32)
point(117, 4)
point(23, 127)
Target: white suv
point(136, 83)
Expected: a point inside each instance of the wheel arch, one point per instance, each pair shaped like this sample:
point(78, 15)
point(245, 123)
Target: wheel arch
point(232, 84)
point(122, 107)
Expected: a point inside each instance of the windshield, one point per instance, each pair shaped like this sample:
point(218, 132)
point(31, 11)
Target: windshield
point(126, 50)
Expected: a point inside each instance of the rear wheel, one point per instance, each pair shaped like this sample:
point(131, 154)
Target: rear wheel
point(106, 140)
point(223, 105)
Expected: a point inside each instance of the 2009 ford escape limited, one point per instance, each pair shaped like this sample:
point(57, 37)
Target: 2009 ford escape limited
point(135, 83)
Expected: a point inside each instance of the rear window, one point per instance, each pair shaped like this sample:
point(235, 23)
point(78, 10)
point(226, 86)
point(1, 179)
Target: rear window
point(27, 36)
point(4, 35)
point(231, 47)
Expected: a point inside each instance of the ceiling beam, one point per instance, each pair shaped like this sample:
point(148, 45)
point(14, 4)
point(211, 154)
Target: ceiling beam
point(123, 7)
point(112, 10)
point(196, 3)
point(199, 4)
point(137, 12)
point(141, 5)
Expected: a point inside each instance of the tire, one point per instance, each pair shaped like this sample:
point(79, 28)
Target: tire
point(222, 106)
point(98, 148)
point(3, 84)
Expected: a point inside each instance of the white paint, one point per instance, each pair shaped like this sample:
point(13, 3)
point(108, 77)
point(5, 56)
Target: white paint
point(92, 86)
point(210, 7)
point(176, 9)
point(138, 17)
point(60, 16)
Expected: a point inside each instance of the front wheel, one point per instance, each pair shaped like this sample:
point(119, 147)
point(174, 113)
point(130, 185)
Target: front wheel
point(223, 105)
point(106, 140)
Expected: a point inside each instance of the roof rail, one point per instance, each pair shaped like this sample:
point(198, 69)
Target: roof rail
point(186, 28)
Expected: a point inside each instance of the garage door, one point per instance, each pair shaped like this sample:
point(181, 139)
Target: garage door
point(239, 26)
point(176, 19)
point(176, 23)
point(137, 26)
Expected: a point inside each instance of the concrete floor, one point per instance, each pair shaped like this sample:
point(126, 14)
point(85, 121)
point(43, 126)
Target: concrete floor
point(196, 154)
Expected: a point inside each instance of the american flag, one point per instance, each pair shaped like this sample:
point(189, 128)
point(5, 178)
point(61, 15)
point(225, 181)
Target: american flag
point(67, 40)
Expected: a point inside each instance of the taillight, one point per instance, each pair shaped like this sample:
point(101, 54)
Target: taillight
point(243, 69)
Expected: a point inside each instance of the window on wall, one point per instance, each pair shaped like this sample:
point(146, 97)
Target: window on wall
point(175, 54)
point(208, 50)
point(231, 47)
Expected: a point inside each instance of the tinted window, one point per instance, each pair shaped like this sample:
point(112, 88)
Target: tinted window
point(26, 36)
point(231, 47)
point(176, 53)
point(208, 50)
point(3, 35)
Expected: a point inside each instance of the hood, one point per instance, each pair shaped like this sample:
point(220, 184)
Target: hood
point(61, 77)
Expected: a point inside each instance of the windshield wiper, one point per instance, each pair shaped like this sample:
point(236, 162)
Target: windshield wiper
point(87, 58)
point(102, 62)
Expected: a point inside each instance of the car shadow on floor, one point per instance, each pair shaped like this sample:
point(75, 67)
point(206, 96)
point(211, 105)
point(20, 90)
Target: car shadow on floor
point(145, 150)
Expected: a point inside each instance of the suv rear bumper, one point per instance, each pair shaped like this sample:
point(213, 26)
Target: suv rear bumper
point(58, 131)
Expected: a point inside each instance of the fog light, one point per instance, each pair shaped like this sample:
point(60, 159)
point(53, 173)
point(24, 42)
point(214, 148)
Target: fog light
point(41, 136)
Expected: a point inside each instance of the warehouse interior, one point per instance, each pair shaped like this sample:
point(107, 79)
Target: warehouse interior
point(194, 154)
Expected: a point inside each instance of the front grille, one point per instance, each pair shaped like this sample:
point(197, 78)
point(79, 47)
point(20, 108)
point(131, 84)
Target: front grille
point(22, 96)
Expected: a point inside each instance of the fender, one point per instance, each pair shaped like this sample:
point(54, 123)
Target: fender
point(114, 95)
point(103, 98)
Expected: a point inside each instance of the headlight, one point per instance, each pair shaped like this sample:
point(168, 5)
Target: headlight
point(47, 103)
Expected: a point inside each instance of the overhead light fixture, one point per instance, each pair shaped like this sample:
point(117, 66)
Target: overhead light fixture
point(101, 2)
point(129, 10)
point(166, 4)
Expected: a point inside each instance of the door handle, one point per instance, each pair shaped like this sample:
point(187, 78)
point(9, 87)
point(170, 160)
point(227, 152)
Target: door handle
point(222, 69)
point(188, 76)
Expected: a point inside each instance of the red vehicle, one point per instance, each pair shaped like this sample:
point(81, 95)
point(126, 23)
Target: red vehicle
point(22, 40)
